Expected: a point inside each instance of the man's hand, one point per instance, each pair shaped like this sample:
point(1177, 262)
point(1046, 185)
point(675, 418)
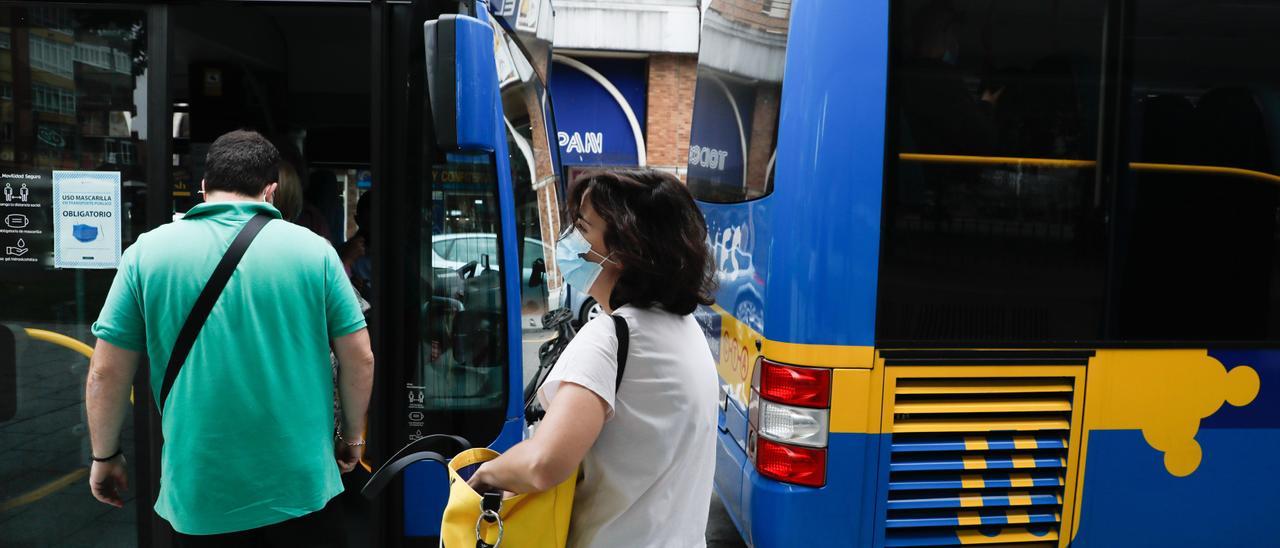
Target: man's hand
point(348, 456)
point(108, 479)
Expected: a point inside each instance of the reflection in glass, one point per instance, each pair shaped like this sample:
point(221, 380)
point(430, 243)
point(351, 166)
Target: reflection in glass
point(736, 106)
point(71, 98)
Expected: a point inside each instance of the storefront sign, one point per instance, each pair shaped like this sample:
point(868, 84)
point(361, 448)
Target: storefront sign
point(593, 129)
point(25, 220)
point(86, 210)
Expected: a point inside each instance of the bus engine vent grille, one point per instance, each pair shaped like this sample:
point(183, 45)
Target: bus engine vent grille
point(978, 460)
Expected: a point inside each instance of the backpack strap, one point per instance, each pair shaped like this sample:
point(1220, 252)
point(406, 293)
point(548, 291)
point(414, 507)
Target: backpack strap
point(624, 341)
point(204, 303)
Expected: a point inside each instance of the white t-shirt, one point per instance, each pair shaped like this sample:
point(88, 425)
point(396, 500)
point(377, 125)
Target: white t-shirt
point(647, 480)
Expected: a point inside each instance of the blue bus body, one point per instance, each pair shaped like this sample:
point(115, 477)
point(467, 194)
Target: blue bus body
point(1027, 433)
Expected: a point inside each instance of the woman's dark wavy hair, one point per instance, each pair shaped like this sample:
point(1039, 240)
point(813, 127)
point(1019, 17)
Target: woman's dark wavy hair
point(658, 234)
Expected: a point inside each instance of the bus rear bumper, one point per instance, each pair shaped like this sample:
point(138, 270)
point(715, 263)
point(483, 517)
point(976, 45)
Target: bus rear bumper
point(770, 513)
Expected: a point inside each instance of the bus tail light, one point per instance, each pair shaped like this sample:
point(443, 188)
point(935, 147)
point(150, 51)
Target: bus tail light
point(802, 386)
point(798, 465)
point(789, 415)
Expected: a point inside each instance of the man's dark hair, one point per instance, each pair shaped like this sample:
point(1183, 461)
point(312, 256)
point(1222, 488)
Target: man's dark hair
point(655, 230)
point(243, 162)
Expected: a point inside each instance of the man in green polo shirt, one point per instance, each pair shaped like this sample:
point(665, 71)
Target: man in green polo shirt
point(249, 449)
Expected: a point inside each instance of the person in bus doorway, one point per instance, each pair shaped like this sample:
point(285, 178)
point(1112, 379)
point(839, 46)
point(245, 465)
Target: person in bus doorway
point(249, 453)
point(637, 244)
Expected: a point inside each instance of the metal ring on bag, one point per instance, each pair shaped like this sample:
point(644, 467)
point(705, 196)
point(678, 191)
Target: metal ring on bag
point(490, 516)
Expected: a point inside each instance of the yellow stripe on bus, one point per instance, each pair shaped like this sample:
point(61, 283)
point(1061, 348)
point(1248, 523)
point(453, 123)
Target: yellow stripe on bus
point(955, 159)
point(970, 500)
point(972, 481)
point(1021, 480)
point(972, 462)
point(974, 443)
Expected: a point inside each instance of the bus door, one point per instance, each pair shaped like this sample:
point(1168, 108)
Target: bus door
point(462, 252)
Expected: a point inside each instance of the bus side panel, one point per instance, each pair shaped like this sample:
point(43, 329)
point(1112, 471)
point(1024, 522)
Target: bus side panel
point(779, 514)
point(830, 173)
point(1180, 449)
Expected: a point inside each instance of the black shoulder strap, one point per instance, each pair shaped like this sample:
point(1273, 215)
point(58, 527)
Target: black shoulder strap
point(204, 303)
point(624, 341)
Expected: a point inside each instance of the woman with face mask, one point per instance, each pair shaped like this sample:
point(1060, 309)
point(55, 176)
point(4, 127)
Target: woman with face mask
point(636, 242)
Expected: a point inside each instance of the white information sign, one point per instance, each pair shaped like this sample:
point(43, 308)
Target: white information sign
point(86, 213)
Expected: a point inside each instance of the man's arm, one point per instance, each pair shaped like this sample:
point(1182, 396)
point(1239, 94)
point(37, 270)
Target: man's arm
point(355, 384)
point(106, 401)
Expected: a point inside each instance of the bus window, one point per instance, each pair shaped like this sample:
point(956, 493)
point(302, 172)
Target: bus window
point(537, 204)
point(994, 217)
point(462, 351)
point(1197, 249)
point(736, 105)
point(72, 97)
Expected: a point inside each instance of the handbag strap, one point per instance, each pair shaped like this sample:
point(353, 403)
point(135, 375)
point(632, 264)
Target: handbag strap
point(204, 303)
point(624, 341)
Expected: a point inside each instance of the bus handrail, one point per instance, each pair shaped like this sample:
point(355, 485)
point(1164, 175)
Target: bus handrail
point(956, 159)
point(60, 340)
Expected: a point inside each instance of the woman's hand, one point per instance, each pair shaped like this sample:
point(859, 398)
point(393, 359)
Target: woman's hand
point(480, 481)
point(552, 455)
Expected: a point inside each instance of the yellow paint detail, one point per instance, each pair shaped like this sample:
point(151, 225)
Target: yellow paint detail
point(1055, 163)
point(982, 386)
point(975, 462)
point(1024, 442)
point(971, 481)
point(1019, 498)
point(1023, 461)
point(1017, 517)
point(1006, 536)
point(855, 401)
point(44, 490)
point(973, 443)
point(970, 500)
point(984, 405)
point(819, 355)
point(968, 518)
point(1165, 393)
point(980, 424)
point(1021, 480)
point(741, 347)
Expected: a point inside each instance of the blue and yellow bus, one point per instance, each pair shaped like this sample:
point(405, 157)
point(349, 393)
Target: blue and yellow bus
point(1002, 273)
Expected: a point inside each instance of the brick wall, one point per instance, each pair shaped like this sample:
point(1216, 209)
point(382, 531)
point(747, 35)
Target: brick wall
point(672, 79)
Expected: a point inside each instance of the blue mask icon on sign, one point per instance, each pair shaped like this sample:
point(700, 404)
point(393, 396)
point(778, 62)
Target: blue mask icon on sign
point(85, 233)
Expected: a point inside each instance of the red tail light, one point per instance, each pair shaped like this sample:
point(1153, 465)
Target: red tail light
point(800, 386)
point(798, 465)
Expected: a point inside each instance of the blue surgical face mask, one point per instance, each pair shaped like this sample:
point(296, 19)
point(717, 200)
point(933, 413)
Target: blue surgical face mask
point(578, 272)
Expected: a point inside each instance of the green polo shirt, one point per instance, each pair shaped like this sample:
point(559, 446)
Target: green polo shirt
point(248, 426)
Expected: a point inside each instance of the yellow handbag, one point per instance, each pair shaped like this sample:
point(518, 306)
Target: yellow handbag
point(530, 520)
